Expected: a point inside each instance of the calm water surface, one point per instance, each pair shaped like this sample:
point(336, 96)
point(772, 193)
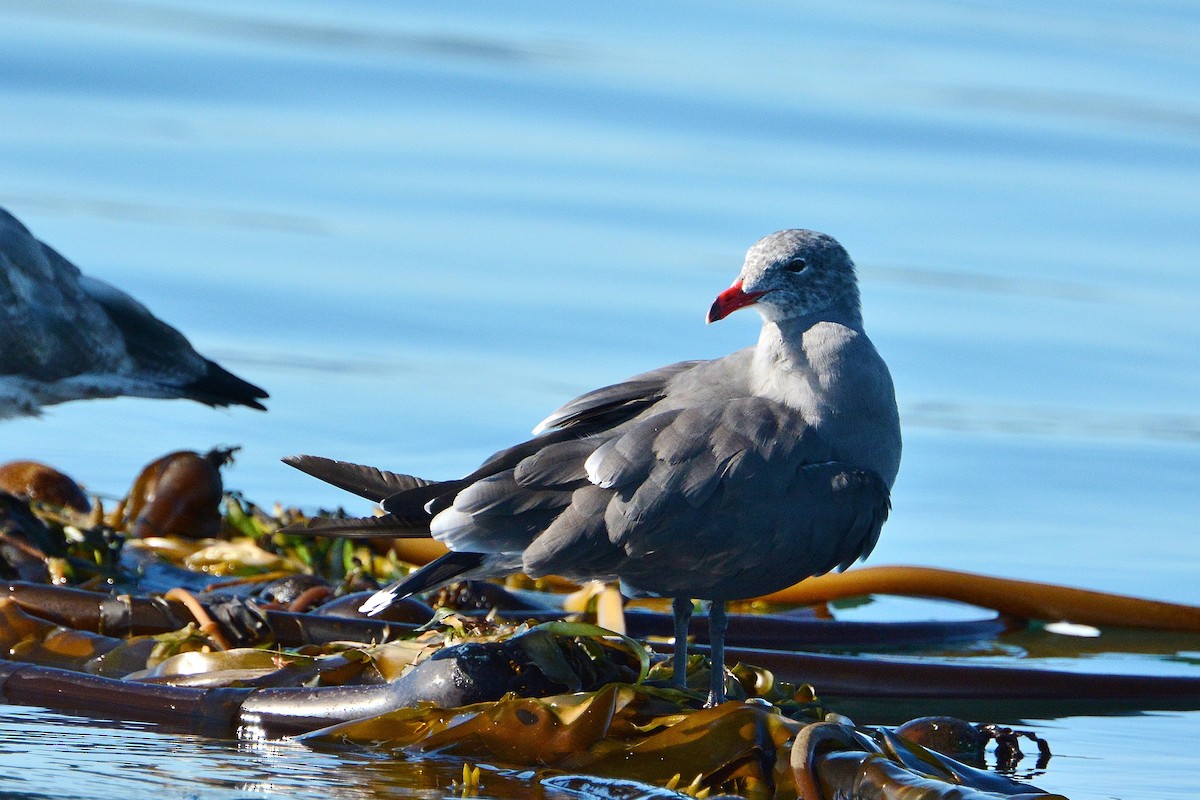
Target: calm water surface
point(422, 227)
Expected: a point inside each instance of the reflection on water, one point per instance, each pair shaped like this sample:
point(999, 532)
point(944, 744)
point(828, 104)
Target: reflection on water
point(51, 755)
point(46, 754)
point(421, 228)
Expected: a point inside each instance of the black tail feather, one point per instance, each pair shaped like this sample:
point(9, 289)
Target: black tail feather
point(423, 500)
point(362, 527)
point(371, 483)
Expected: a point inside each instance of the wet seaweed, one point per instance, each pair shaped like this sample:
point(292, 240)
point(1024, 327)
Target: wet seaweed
point(185, 602)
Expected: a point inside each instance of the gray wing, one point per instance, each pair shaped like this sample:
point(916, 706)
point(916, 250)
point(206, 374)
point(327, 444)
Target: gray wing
point(716, 500)
point(151, 343)
point(520, 491)
point(492, 514)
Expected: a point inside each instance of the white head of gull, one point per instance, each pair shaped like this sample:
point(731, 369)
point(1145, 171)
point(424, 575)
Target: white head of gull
point(716, 480)
point(65, 336)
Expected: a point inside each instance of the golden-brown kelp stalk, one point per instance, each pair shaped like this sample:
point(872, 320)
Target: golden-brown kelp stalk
point(1025, 599)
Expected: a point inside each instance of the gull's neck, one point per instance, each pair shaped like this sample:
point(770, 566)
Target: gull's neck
point(825, 367)
point(808, 344)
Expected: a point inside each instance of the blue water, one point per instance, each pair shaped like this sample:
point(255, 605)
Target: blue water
point(423, 226)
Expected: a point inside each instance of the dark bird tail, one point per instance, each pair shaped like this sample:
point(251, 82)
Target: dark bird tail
point(371, 483)
point(220, 387)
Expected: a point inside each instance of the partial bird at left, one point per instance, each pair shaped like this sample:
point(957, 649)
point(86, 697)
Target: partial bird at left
point(65, 336)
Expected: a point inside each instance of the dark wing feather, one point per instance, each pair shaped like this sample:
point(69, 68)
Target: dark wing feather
point(750, 445)
point(611, 405)
point(576, 544)
point(627, 459)
point(436, 573)
point(220, 387)
point(501, 496)
point(556, 465)
point(867, 492)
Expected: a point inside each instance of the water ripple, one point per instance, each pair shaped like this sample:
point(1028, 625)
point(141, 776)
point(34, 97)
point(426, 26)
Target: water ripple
point(1049, 421)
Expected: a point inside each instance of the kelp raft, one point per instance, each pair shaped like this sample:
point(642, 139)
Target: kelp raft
point(191, 608)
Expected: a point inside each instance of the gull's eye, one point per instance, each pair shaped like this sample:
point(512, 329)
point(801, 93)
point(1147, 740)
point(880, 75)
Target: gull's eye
point(796, 265)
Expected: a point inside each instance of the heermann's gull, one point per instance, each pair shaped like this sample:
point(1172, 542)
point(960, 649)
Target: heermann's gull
point(715, 480)
point(65, 336)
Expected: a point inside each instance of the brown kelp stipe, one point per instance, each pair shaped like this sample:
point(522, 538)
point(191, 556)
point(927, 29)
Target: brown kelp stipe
point(859, 676)
point(123, 615)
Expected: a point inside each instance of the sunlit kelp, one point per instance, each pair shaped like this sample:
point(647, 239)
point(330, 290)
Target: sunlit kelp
point(620, 731)
point(834, 760)
point(966, 743)
point(32, 480)
point(177, 495)
point(27, 638)
point(242, 627)
point(637, 733)
point(1023, 599)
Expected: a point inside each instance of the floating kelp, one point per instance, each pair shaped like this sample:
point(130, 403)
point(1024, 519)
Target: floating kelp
point(629, 732)
point(177, 495)
point(1021, 599)
point(966, 743)
point(834, 760)
point(619, 731)
point(28, 638)
point(236, 627)
point(32, 480)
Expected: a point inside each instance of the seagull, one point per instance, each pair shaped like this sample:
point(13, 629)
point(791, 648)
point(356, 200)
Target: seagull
point(713, 480)
point(66, 336)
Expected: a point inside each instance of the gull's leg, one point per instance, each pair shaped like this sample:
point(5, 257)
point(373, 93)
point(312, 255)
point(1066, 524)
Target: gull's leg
point(682, 608)
point(717, 623)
